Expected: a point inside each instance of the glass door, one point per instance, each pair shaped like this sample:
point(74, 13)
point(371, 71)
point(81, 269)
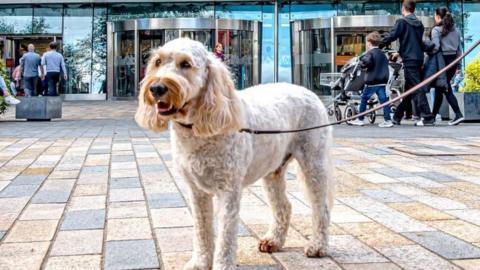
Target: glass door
point(205, 37)
point(149, 40)
point(124, 64)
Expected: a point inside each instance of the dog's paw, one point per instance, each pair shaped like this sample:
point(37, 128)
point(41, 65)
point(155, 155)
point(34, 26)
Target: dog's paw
point(315, 249)
point(196, 265)
point(268, 245)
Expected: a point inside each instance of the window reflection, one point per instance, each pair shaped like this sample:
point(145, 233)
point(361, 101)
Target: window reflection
point(347, 8)
point(47, 19)
point(471, 18)
point(99, 53)
point(16, 19)
point(77, 47)
point(120, 12)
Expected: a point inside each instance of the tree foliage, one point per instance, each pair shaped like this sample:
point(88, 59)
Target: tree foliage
point(472, 76)
point(4, 75)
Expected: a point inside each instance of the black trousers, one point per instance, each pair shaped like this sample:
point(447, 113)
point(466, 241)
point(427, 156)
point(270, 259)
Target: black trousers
point(439, 91)
point(413, 76)
point(52, 81)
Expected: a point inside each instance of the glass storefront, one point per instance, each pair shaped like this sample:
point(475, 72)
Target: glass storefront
point(82, 31)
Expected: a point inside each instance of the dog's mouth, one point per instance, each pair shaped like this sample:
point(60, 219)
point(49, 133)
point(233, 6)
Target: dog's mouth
point(164, 108)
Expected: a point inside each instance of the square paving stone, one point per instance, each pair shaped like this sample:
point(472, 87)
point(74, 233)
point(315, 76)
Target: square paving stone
point(32, 230)
point(90, 262)
point(123, 158)
point(416, 257)
point(126, 195)
point(445, 245)
point(175, 239)
point(12, 191)
point(294, 259)
point(171, 217)
point(125, 183)
point(87, 202)
point(385, 196)
point(370, 266)
point(95, 169)
point(165, 200)
point(51, 196)
point(347, 249)
point(78, 242)
point(43, 211)
point(28, 180)
point(468, 264)
point(131, 254)
point(128, 229)
point(127, 210)
point(22, 255)
point(436, 176)
point(392, 172)
point(83, 220)
point(151, 168)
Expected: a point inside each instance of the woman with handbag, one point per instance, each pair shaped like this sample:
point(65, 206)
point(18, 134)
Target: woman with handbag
point(448, 47)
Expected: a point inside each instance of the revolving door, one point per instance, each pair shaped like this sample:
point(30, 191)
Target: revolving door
point(130, 43)
point(324, 45)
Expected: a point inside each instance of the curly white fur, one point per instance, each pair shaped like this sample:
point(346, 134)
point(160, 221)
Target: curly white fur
point(217, 160)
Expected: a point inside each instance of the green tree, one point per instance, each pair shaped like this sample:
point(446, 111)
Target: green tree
point(472, 76)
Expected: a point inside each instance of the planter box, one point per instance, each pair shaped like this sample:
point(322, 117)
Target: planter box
point(469, 105)
point(39, 108)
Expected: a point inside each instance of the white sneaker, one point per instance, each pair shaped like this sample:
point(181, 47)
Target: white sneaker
point(357, 122)
point(11, 100)
point(386, 124)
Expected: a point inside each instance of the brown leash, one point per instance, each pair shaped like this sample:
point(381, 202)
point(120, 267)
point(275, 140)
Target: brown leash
point(409, 92)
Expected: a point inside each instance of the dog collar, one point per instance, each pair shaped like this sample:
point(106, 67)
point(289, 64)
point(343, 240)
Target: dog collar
point(189, 126)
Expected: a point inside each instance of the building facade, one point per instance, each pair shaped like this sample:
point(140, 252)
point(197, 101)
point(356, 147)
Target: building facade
point(82, 27)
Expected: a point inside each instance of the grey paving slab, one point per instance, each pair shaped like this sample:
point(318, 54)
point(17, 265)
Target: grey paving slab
point(83, 220)
point(436, 176)
point(151, 168)
point(165, 200)
point(445, 245)
point(392, 172)
point(123, 158)
point(95, 169)
point(259, 267)
point(12, 191)
point(28, 180)
point(385, 196)
point(167, 157)
point(99, 151)
point(132, 254)
point(125, 183)
point(51, 196)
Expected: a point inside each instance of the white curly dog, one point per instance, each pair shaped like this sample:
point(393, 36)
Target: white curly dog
point(188, 86)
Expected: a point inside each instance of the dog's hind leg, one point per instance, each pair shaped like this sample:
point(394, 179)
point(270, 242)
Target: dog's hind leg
point(275, 186)
point(316, 174)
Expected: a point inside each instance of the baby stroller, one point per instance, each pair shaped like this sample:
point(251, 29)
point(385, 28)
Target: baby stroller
point(347, 89)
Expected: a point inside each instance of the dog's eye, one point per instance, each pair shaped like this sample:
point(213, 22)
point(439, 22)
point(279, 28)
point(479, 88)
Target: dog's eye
point(158, 62)
point(185, 64)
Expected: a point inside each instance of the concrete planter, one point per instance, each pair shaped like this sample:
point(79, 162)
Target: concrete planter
point(39, 108)
point(469, 105)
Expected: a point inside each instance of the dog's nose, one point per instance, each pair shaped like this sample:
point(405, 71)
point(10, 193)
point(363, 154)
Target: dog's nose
point(158, 89)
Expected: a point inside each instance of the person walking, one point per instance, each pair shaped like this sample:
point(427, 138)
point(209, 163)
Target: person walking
point(409, 31)
point(447, 42)
point(9, 99)
point(54, 64)
point(29, 64)
point(376, 77)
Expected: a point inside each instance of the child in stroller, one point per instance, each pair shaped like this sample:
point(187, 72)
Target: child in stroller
point(348, 89)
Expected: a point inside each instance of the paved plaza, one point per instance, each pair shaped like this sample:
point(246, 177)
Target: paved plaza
point(94, 191)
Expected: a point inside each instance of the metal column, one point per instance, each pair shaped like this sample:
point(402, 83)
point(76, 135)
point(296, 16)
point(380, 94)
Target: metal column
point(275, 41)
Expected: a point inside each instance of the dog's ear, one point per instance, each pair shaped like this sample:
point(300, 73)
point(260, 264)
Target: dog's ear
point(218, 110)
point(146, 115)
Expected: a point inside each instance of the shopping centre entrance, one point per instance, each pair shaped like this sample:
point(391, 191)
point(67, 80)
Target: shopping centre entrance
point(130, 43)
point(324, 45)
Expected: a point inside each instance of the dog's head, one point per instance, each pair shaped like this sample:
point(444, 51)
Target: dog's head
point(186, 83)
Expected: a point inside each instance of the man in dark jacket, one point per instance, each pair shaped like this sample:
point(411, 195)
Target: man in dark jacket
point(409, 31)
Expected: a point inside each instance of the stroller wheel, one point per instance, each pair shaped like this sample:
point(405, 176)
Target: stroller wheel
point(330, 112)
point(338, 113)
point(372, 116)
point(350, 111)
point(393, 108)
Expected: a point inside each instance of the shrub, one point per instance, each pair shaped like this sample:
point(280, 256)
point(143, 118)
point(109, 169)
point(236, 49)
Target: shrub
point(4, 74)
point(472, 76)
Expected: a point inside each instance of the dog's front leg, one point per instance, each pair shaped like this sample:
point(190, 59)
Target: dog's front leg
point(202, 210)
point(226, 242)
